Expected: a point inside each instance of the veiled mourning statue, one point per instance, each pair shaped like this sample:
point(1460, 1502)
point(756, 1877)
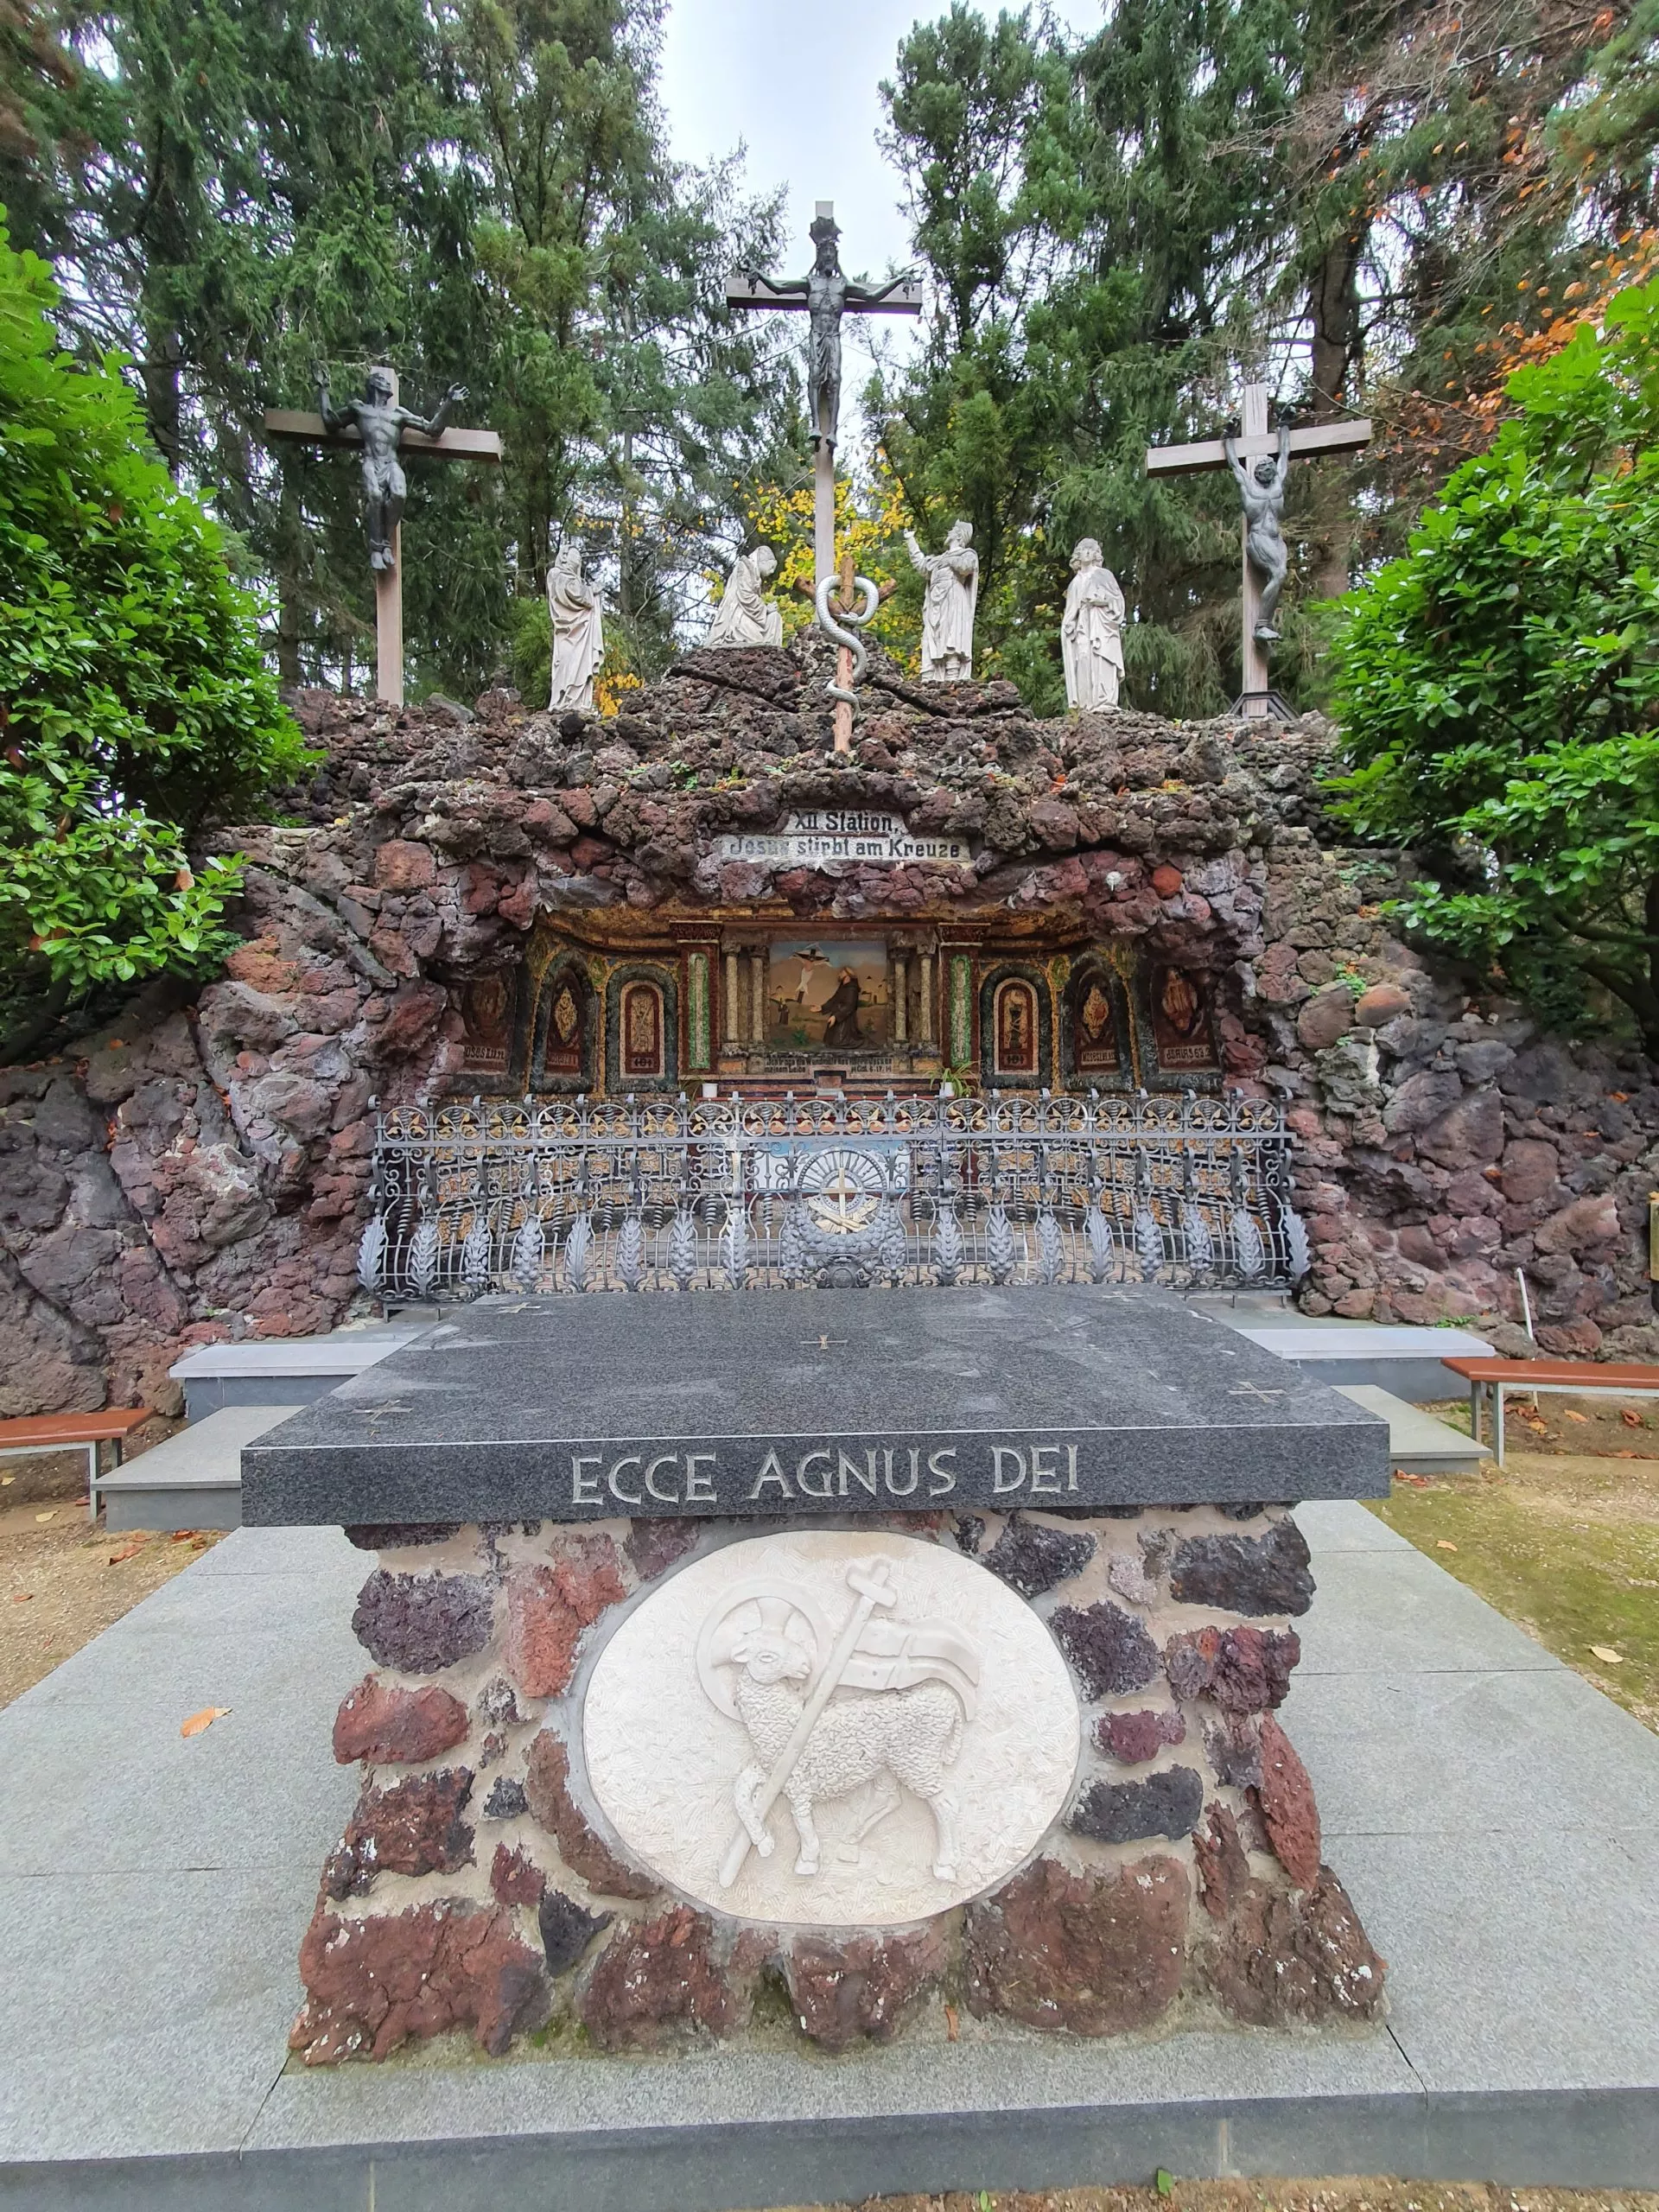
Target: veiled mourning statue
point(746, 616)
point(948, 605)
point(1091, 631)
point(578, 632)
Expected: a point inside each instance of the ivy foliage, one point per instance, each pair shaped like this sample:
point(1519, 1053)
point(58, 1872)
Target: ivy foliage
point(1499, 685)
point(134, 699)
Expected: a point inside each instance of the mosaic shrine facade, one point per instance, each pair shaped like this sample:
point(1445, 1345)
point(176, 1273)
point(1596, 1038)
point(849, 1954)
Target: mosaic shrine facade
point(855, 1007)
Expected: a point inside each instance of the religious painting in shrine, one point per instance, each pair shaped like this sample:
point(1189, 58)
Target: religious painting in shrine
point(828, 995)
point(562, 1053)
point(1182, 1032)
point(1097, 1026)
point(1015, 1045)
point(642, 1030)
point(486, 1016)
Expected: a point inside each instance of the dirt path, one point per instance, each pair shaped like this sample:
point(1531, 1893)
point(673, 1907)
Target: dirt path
point(1372, 2196)
point(61, 1580)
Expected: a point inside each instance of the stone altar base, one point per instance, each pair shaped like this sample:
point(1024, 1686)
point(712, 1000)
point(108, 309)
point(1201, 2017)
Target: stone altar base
point(1095, 1825)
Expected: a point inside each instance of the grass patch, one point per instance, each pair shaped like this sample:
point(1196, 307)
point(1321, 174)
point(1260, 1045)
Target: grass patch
point(1567, 1547)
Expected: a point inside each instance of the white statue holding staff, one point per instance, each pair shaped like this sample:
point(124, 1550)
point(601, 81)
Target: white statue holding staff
point(578, 632)
point(1091, 631)
point(948, 605)
point(746, 616)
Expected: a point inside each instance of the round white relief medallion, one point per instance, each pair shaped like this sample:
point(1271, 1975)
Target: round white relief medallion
point(834, 1727)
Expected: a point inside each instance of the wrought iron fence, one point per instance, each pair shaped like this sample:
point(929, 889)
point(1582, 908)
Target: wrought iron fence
point(733, 1193)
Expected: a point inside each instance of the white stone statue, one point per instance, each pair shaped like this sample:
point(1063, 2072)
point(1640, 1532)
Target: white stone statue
point(746, 616)
point(578, 632)
point(1091, 631)
point(947, 606)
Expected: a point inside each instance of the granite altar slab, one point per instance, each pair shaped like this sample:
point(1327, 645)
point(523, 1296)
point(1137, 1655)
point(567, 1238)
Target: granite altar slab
point(814, 1402)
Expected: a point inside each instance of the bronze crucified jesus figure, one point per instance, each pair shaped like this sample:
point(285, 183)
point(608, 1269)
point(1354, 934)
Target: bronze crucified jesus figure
point(381, 422)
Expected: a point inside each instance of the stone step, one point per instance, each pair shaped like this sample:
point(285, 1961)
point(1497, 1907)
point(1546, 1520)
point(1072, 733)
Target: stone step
point(1418, 1443)
point(194, 1480)
point(281, 1370)
point(1407, 1362)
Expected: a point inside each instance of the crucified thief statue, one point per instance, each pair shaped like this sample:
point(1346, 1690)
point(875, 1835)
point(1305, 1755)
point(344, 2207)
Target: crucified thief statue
point(1262, 487)
point(381, 422)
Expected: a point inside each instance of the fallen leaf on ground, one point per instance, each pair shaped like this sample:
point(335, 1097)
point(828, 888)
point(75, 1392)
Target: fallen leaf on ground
point(1630, 1418)
point(47, 1517)
point(1625, 1455)
point(1417, 1482)
point(21, 1596)
point(6, 1481)
point(952, 2024)
point(184, 1535)
point(127, 1551)
point(1443, 1546)
point(205, 1718)
point(1568, 1414)
point(1609, 1658)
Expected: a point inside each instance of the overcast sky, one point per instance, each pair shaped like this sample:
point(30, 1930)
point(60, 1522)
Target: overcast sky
point(773, 76)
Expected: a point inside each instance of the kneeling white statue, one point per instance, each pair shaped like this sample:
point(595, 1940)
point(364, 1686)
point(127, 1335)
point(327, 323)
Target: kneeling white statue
point(1091, 631)
point(746, 616)
point(578, 632)
point(948, 605)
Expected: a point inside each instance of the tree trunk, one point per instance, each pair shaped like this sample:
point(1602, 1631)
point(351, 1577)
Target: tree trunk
point(163, 405)
point(1333, 312)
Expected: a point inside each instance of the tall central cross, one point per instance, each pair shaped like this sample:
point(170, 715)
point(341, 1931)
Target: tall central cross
point(1255, 445)
point(392, 432)
point(824, 294)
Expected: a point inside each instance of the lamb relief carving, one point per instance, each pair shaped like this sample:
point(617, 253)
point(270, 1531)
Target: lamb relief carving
point(875, 1705)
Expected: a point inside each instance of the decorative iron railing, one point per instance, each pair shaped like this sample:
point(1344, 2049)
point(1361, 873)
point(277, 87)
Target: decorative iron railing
point(730, 1193)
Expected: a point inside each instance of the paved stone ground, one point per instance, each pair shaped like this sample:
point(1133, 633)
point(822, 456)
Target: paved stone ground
point(1369, 2195)
point(1495, 1820)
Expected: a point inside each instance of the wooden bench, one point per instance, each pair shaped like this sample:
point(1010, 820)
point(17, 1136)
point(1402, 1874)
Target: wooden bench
point(67, 1432)
point(1489, 1380)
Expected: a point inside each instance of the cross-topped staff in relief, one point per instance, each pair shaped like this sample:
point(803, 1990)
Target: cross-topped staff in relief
point(1259, 460)
point(382, 430)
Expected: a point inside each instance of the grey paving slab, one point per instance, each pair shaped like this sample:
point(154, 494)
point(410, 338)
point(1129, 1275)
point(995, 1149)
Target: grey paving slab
point(1440, 1754)
point(143, 2014)
point(1524, 1961)
point(1333, 1524)
point(1418, 1443)
point(309, 1552)
point(1395, 1612)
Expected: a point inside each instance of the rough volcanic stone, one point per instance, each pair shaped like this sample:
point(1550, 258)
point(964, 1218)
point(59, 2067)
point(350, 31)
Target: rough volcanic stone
point(567, 1929)
point(421, 1623)
point(1127, 1576)
point(657, 1979)
point(1244, 1574)
point(497, 1706)
point(515, 1878)
point(1224, 1863)
point(1288, 1810)
point(1030, 1558)
point(861, 1985)
point(1327, 1016)
point(548, 1607)
point(1244, 1669)
point(1234, 1751)
point(397, 1536)
point(968, 1533)
point(1108, 1649)
point(1382, 1003)
point(372, 1983)
point(1166, 1803)
point(1134, 1737)
point(547, 1787)
point(1296, 1956)
point(652, 1547)
point(506, 1801)
point(1089, 1954)
point(413, 1827)
point(389, 1726)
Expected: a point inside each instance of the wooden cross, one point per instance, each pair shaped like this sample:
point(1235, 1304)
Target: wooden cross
point(451, 445)
point(747, 288)
point(1257, 697)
